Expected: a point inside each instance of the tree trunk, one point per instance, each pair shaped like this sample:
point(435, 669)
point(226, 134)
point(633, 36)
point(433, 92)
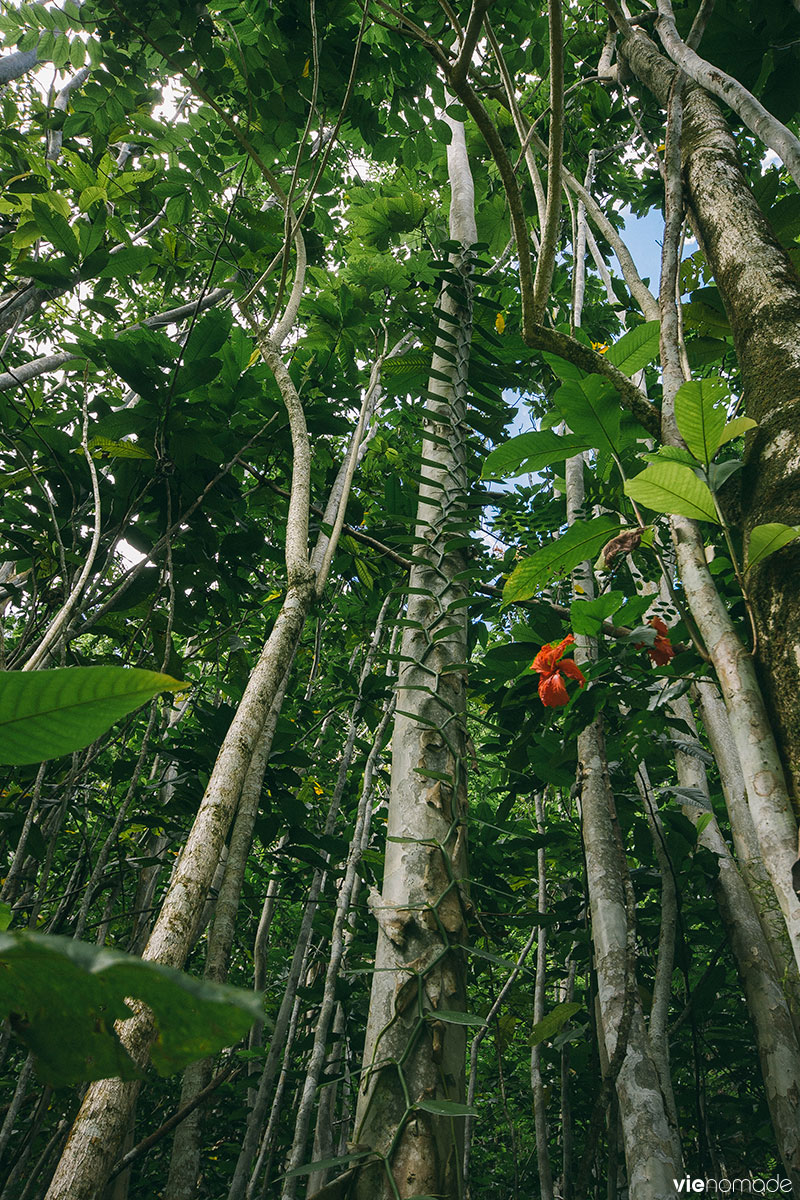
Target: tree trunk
point(652, 1153)
point(775, 1035)
point(652, 1150)
point(537, 1083)
point(411, 1059)
point(185, 1161)
point(102, 1121)
point(761, 293)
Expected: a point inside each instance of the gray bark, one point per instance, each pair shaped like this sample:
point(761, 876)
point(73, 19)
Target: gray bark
point(776, 1036)
point(543, 1163)
point(16, 64)
point(410, 1057)
point(185, 1161)
point(652, 1153)
point(652, 1150)
point(761, 293)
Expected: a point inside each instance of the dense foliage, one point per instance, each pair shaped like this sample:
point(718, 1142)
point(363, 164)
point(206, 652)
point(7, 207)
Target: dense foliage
point(179, 186)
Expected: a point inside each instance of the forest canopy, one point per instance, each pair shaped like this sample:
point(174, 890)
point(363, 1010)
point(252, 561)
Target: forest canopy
point(399, 620)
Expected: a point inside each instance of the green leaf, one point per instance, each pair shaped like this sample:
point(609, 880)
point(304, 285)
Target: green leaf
point(566, 371)
point(18, 478)
point(455, 1018)
point(5, 916)
point(583, 541)
point(60, 54)
point(554, 1022)
point(44, 714)
point(129, 260)
point(701, 351)
point(592, 410)
point(766, 539)
point(700, 414)
point(672, 454)
point(55, 272)
point(102, 447)
point(636, 348)
point(77, 53)
point(447, 1108)
point(703, 822)
point(718, 473)
point(51, 985)
point(91, 195)
point(55, 227)
point(327, 1164)
point(587, 616)
point(532, 452)
point(736, 428)
point(671, 487)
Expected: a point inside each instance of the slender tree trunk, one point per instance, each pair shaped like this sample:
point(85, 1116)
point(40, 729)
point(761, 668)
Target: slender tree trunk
point(324, 1144)
point(652, 1153)
point(652, 1149)
point(662, 986)
point(185, 1161)
point(537, 1085)
point(761, 293)
point(745, 843)
point(773, 1026)
point(411, 1059)
point(567, 994)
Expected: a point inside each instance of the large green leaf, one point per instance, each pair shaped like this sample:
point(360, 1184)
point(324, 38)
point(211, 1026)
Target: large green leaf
point(701, 415)
point(554, 1021)
point(583, 541)
point(44, 714)
point(532, 452)
point(592, 410)
point(55, 227)
point(587, 616)
point(672, 487)
point(451, 1017)
point(328, 1164)
point(736, 428)
point(447, 1108)
point(636, 348)
point(566, 371)
point(766, 539)
point(64, 996)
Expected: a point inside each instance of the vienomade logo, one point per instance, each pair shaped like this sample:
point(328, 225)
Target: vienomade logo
point(729, 1187)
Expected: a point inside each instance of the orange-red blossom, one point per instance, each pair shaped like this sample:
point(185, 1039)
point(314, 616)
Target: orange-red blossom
point(550, 664)
point(662, 649)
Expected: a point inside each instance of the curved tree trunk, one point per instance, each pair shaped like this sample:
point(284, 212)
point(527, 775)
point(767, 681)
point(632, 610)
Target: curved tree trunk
point(761, 293)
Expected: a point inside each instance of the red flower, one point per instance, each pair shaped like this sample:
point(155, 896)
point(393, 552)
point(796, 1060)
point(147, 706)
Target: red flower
point(550, 664)
point(662, 649)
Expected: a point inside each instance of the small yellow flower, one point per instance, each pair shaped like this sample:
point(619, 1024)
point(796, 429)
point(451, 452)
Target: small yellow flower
point(663, 146)
point(499, 322)
point(600, 347)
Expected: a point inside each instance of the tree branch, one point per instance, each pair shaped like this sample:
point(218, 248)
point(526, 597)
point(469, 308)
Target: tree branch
point(545, 263)
point(177, 1117)
point(632, 398)
point(763, 124)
